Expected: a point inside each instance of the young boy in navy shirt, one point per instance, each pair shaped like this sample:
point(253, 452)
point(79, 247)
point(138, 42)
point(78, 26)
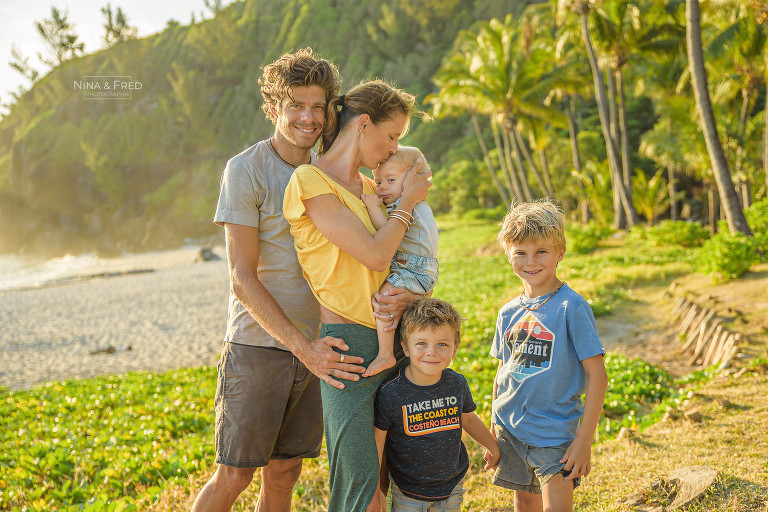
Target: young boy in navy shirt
point(422, 410)
point(549, 356)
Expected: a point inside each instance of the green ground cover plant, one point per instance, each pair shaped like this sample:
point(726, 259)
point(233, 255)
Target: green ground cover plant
point(104, 443)
point(118, 443)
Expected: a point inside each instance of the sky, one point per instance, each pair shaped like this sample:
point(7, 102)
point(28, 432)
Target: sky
point(17, 27)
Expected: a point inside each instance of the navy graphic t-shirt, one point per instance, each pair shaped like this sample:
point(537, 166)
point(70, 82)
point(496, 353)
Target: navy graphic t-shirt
point(424, 450)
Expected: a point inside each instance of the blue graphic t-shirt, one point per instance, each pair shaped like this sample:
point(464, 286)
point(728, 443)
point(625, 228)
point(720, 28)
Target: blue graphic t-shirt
point(541, 380)
point(424, 450)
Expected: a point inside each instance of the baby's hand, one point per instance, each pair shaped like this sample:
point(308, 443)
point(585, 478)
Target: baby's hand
point(372, 201)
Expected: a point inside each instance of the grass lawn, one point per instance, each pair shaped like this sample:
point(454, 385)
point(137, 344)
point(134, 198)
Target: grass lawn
point(145, 441)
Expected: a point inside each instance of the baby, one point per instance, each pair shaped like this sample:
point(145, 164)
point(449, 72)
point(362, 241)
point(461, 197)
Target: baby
point(414, 266)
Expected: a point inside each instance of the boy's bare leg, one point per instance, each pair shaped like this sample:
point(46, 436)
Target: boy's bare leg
point(386, 357)
point(557, 494)
point(528, 502)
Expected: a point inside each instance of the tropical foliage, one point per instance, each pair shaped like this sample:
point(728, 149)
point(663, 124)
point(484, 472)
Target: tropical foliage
point(591, 102)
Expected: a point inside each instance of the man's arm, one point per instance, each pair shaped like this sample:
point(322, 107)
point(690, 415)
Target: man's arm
point(578, 456)
point(317, 355)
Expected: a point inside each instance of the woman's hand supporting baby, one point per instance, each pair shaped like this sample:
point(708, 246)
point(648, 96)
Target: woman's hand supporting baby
point(415, 186)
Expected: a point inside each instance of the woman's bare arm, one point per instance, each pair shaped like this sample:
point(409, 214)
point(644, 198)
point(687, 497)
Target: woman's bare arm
point(342, 227)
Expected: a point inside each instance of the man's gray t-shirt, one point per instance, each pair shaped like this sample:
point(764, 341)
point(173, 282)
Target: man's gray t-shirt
point(541, 379)
point(252, 188)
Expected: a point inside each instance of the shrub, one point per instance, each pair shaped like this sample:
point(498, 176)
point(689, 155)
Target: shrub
point(583, 238)
point(727, 255)
point(496, 213)
point(761, 245)
point(678, 232)
point(757, 216)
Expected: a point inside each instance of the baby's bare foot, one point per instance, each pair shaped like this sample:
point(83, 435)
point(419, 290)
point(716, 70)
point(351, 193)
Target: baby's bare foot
point(381, 363)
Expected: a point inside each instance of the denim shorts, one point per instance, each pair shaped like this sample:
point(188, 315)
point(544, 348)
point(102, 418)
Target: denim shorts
point(415, 273)
point(403, 503)
point(527, 468)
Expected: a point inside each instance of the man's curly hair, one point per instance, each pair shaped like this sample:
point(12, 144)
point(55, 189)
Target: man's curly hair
point(302, 68)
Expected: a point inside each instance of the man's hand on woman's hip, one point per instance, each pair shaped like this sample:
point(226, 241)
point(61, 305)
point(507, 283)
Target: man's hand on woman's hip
point(327, 364)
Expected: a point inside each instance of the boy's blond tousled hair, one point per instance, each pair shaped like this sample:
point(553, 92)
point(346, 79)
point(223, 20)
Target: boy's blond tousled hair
point(541, 220)
point(430, 313)
point(407, 155)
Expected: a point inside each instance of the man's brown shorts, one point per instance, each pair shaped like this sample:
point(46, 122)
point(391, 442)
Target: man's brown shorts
point(267, 407)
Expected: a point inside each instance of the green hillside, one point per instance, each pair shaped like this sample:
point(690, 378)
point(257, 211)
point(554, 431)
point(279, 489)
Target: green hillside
point(141, 173)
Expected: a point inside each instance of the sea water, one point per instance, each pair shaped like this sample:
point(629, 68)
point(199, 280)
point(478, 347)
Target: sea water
point(28, 271)
point(33, 271)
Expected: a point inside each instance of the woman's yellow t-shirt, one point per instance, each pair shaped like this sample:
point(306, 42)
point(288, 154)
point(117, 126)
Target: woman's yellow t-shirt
point(339, 282)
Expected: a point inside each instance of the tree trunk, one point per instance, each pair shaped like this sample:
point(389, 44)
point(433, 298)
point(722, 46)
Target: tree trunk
point(527, 155)
point(613, 110)
point(545, 172)
point(602, 103)
point(712, 209)
point(573, 135)
point(672, 193)
point(728, 197)
point(509, 178)
point(745, 101)
point(626, 158)
point(619, 217)
point(746, 194)
point(510, 145)
point(765, 144)
point(487, 158)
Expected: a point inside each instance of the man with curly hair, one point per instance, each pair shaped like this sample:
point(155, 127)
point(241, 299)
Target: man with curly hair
point(268, 409)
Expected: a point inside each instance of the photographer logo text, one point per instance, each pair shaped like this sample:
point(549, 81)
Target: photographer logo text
point(107, 87)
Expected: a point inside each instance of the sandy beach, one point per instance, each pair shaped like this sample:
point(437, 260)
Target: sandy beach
point(170, 310)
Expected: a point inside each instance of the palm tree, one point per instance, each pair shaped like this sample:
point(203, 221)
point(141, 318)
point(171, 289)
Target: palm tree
point(492, 74)
point(572, 83)
point(583, 9)
point(664, 146)
point(739, 49)
point(728, 197)
point(627, 31)
point(597, 190)
point(456, 96)
point(652, 196)
point(761, 15)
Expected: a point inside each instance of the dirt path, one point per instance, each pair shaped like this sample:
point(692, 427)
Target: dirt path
point(643, 328)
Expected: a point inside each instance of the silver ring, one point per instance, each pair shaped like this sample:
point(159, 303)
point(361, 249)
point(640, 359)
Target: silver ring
point(331, 372)
point(341, 359)
point(391, 316)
